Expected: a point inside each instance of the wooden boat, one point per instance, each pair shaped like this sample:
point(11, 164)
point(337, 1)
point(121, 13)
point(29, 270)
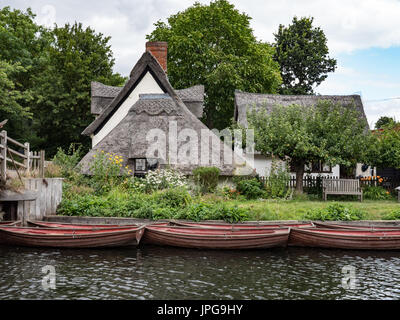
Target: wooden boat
point(239, 226)
point(70, 238)
point(46, 224)
point(345, 238)
point(209, 238)
point(10, 223)
point(353, 227)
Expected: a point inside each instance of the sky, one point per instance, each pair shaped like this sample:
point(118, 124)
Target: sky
point(363, 36)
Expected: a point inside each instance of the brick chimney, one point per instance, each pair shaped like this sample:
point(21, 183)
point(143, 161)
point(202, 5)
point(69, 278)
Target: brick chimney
point(159, 50)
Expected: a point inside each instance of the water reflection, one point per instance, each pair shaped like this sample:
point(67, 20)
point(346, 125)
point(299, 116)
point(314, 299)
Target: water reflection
point(170, 273)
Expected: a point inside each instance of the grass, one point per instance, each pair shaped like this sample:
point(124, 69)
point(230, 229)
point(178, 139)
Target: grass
point(296, 209)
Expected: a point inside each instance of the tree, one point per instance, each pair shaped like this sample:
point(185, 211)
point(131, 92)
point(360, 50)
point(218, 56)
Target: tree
point(384, 151)
point(77, 56)
point(22, 55)
point(214, 45)
point(11, 99)
point(384, 121)
point(45, 77)
point(325, 132)
point(302, 54)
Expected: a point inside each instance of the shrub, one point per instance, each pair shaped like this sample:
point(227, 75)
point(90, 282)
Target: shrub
point(196, 212)
point(335, 212)
point(376, 193)
point(394, 215)
point(277, 183)
point(314, 188)
point(229, 193)
point(68, 160)
point(230, 214)
point(107, 171)
point(67, 164)
point(175, 198)
point(251, 189)
point(53, 171)
point(205, 211)
point(206, 178)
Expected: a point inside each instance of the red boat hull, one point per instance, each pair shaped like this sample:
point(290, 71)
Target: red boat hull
point(70, 238)
point(204, 238)
point(242, 226)
point(345, 239)
point(46, 224)
point(353, 227)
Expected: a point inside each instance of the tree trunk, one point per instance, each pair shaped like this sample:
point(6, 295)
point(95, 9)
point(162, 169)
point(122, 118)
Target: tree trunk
point(299, 167)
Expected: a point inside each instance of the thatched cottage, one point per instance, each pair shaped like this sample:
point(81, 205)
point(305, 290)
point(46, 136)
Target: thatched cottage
point(245, 101)
point(151, 125)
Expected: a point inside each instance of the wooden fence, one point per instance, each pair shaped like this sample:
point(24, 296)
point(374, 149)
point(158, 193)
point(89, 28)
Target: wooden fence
point(24, 158)
point(315, 182)
point(49, 192)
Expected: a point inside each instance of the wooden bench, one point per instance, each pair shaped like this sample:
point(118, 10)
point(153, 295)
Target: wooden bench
point(341, 187)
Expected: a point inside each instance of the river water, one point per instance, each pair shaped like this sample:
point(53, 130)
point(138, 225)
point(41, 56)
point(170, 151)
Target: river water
point(155, 272)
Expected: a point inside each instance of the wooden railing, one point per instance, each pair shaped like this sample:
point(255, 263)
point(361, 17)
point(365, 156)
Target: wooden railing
point(315, 182)
point(24, 158)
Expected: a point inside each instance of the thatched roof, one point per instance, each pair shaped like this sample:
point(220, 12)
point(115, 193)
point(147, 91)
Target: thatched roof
point(245, 101)
point(193, 98)
point(102, 96)
point(129, 138)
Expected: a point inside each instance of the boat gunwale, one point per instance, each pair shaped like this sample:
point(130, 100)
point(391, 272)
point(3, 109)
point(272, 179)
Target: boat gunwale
point(47, 235)
point(316, 231)
point(69, 225)
point(270, 233)
point(333, 226)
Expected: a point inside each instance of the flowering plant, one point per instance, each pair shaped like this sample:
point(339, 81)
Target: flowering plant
point(161, 179)
point(107, 170)
point(373, 178)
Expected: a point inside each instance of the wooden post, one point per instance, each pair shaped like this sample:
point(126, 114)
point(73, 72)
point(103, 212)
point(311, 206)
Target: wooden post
point(3, 168)
point(41, 165)
point(27, 155)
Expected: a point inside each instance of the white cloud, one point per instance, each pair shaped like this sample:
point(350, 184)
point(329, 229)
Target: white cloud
point(377, 109)
point(348, 24)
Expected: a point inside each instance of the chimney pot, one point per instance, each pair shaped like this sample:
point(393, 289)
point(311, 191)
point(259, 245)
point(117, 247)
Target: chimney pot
point(159, 49)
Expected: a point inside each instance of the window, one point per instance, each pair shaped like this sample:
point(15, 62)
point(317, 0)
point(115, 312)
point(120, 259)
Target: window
point(315, 167)
point(142, 165)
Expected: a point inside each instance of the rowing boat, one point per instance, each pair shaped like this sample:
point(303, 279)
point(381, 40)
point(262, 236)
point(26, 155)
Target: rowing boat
point(346, 238)
point(325, 225)
point(70, 238)
point(46, 224)
point(239, 226)
point(208, 238)
point(10, 223)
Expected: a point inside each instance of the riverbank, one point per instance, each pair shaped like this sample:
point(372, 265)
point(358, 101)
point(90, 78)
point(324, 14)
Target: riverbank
point(296, 209)
point(179, 204)
point(125, 221)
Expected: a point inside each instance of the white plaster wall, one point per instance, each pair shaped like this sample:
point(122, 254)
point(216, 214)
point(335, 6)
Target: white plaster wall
point(371, 171)
point(147, 85)
point(263, 164)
